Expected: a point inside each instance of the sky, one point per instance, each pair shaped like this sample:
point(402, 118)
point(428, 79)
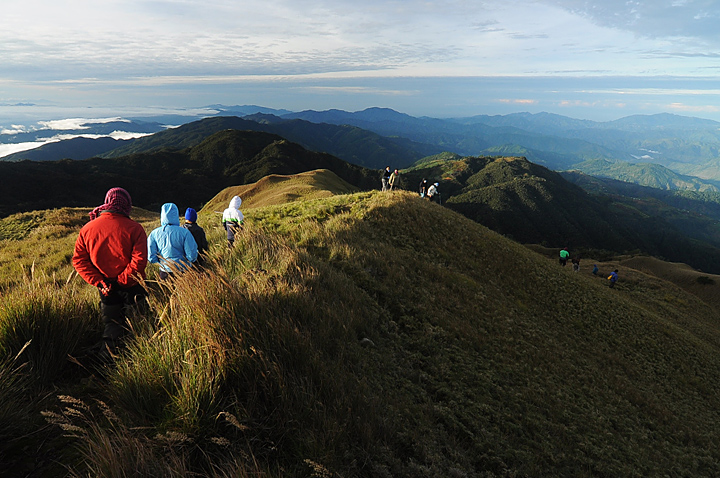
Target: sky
point(588, 59)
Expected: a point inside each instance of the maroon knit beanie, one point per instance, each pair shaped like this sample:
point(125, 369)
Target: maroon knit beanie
point(116, 200)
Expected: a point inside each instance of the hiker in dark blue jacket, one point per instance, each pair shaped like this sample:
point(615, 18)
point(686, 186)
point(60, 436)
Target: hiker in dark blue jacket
point(198, 234)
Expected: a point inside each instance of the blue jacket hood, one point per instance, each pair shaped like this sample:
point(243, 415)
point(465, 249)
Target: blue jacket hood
point(169, 215)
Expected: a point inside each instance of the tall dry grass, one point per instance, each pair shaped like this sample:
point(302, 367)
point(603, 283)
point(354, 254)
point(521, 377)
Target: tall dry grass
point(42, 324)
point(264, 335)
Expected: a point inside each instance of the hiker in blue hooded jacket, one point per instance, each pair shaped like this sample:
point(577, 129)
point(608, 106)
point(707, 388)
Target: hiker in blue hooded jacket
point(171, 245)
point(613, 277)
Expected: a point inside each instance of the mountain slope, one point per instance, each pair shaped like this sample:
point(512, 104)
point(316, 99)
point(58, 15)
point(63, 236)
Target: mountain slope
point(535, 205)
point(280, 189)
point(645, 174)
point(344, 337)
point(688, 146)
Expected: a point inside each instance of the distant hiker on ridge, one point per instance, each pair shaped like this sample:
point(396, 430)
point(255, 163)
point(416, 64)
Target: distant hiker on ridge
point(111, 254)
point(386, 178)
point(613, 277)
point(564, 255)
point(394, 180)
point(198, 234)
point(595, 269)
point(575, 263)
point(433, 193)
point(171, 245)
point(423, 187)
point(233, 220)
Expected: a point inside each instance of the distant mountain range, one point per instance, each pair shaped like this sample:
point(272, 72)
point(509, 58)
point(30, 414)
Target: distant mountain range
point(685, 151)
point(686, 145)
point(349, 143)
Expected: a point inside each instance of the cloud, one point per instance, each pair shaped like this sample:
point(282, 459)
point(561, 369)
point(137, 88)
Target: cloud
point(653, 19)
point(517, 101)
point(693, 108)
point(133, 54)
point(6, 149)
point(357, 90)
point(77, 123)
point(14, 129)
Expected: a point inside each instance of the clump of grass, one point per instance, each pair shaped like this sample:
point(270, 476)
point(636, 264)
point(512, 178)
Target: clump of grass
point(14, 406)
point(106, 446)
point(171, 377)
point(109, 448)
point(42, 326)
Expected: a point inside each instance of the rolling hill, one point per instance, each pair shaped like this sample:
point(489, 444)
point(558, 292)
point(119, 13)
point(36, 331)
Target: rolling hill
point(280, 189)
point(676, 152)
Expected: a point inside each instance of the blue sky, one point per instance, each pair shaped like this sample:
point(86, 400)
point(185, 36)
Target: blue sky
point(594, 59)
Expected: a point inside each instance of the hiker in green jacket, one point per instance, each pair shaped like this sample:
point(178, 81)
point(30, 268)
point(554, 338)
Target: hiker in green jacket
point(564, 256)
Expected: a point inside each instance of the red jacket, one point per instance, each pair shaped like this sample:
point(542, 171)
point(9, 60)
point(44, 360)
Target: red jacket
point(113, 247)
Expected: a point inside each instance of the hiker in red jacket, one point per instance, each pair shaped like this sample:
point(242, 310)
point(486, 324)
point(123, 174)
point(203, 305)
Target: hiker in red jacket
point(111, 254)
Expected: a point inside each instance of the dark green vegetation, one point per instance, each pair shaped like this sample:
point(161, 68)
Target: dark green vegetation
point(188, 177)
point(343, 338)
point(532, 204)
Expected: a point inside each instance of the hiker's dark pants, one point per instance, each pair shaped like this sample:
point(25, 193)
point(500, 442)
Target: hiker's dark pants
point(231, 230)
point(115, 307)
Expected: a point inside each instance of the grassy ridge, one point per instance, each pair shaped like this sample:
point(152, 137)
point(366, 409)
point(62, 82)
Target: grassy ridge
point(377, 334)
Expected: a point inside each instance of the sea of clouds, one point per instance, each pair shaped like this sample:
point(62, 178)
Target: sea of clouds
point(58, 130)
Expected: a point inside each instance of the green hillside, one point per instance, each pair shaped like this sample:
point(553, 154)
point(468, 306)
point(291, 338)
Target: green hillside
point(644, 174)
point(531, 204)
point(369, 334)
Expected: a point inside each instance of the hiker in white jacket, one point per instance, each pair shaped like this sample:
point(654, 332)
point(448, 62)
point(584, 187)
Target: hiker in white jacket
point(233, 219)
